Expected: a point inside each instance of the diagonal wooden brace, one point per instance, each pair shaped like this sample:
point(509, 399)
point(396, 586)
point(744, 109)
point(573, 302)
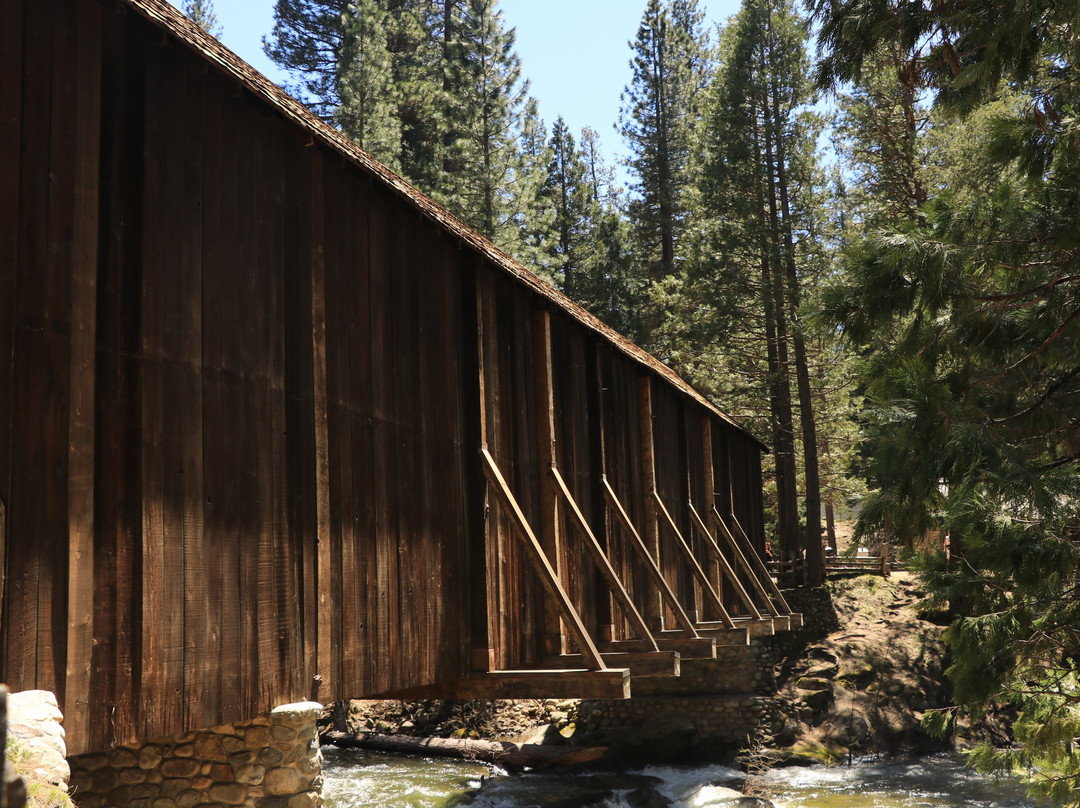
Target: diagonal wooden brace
point(602, 561)
point(710, 542)
point(752, 563)
point(695, 567)
point(541, 564)
point(642, 551)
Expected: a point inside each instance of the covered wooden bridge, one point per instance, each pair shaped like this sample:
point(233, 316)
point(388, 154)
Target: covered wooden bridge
point(274, 426)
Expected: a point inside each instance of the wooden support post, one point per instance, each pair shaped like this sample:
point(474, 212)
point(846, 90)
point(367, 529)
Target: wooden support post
point(480, 617)
point(595, 397)
point(81, 412)
point(722, 563)
point(650, 533)
point(656, 576)
point(541, 563)
point(601, 559)
point(708, 496)
point(692, 562)
point(324, 669)
point(550, 523)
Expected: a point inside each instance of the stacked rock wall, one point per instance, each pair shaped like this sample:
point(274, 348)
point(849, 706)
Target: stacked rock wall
point(714, 705)
point(737, 670)
point(272, 761)
point(675, 728)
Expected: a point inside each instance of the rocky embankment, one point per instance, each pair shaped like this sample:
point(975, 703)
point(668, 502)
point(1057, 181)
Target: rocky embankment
point(864, 688)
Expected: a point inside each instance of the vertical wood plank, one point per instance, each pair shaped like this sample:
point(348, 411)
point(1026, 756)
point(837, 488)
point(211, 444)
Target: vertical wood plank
point(383, 581)
point(262, 297)
point(186, 353)
point(708, 492)
point(158, 651)
point(650, 533)
point(214, 176)
point(593, 490)
point(354, 374)
point(81, 427)
point(243, 364)
point(551, 539)
point(117, 496)
point(222, 471)
point(322, 460)
point(47, 467)
point(283, 685)
point(299, 245)
point(11, 98)
point(475, 392)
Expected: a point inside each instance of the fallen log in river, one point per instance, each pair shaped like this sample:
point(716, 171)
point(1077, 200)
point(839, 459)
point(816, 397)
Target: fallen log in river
point(510, 756)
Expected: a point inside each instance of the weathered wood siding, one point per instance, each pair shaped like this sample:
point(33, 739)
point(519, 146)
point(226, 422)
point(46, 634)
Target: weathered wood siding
point(245, 379)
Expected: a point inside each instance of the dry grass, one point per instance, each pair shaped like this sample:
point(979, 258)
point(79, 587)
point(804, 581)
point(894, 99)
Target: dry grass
point(39, 794)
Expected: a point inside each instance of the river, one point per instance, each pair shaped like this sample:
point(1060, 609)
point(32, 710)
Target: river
point(363, 780)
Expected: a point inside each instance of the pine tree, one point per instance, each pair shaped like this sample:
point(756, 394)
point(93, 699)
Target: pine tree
point(534, 217)
point(605, 282)
point(308, 40)
point(879, 132)
point(575, 209)
point(415, 48)
point(660, 108)
point(974, 426)
point(202, 14)
point(485, 107)
point(374, 69)
point(366, 112)
point(756, 179)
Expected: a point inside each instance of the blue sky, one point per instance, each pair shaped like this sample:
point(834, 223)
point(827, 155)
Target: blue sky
point(575, 53)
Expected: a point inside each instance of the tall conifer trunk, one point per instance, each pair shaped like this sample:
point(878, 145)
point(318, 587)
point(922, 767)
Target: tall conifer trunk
point(814, 554)
point(779, 363)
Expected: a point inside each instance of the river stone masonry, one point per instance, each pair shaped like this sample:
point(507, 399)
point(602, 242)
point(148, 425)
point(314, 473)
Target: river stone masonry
point(272, 761)
point(673, 728)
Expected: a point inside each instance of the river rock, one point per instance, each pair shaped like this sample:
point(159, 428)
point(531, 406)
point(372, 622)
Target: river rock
point(813, 683)
point(851, 730)
point(817, 700)
point(823, 670)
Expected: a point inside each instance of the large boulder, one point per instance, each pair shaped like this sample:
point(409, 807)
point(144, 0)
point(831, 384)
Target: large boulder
point(34, 721)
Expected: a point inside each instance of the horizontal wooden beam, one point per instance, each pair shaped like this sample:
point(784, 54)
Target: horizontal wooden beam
point(760, 627)
point(782, 622)
point(687, 647)
point(576, 683)
point(649, 663)
point(724, 636)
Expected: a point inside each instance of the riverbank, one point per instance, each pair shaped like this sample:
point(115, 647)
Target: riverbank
point(865, 687)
